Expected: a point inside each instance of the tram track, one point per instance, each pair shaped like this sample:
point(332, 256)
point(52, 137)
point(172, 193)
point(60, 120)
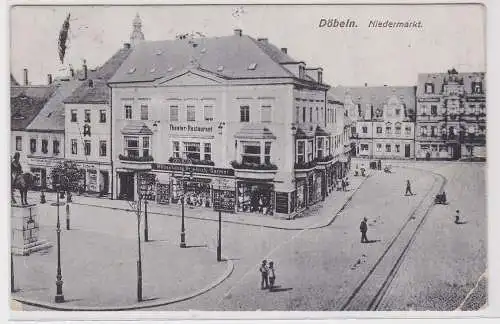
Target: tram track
point(372, 288)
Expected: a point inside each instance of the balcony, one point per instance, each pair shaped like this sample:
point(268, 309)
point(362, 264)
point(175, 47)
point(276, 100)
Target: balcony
point(135, 163)
point(190, 161)
point(265, 171)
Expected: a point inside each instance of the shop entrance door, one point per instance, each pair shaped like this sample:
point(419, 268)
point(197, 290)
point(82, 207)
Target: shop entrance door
point(407, 150)
point(126, 186)
point(104, 182)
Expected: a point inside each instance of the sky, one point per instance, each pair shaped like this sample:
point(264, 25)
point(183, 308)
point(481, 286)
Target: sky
point(452, 36)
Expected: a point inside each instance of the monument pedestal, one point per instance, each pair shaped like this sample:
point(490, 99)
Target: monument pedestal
point(25, 230)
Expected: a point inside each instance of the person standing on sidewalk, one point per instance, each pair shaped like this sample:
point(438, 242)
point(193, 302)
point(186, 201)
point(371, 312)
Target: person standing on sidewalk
point(264, 282)
point(363, 228)
point(408, 188)
point(457, 216)
point(271, 275)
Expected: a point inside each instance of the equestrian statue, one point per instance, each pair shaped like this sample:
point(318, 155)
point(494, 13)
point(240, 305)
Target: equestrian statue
point(21, 181)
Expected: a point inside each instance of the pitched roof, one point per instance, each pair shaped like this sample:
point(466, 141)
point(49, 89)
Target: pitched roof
point(254, 131)
point(438, 79)
point(51, 117)
point(228, 56)
point(13, 81)
point(376, 96)
point(136, 128)
point(99, 91)
point(25, 104)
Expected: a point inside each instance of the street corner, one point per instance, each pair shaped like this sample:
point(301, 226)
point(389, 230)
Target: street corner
point(103, 275)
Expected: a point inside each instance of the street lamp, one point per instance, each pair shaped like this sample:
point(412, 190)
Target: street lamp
point(59, 283)
point(139, 263)
point(183, 229)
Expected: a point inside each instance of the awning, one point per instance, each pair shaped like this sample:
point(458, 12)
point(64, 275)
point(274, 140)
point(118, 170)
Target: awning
point(254, 132)
point(136, 128)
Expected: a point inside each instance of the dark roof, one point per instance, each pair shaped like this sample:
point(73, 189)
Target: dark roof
point(321, 132)
point(26, 103)
point(376, 96)
point(136, 128)
point(13, 81)
point(228, 56)
point(99, 91)
point(254, 131)
point(51, 117)
point(439, 78)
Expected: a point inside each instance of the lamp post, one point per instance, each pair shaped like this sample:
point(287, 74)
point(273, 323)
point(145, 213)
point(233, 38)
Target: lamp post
point(183, 229)
point(146, 231)
point(139, 261)
point(219, 238)
point(12, 286)
point(59, 283)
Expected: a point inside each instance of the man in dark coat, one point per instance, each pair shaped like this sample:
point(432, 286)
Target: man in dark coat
point(408, 188)
point(363, 229)
point(264, 282)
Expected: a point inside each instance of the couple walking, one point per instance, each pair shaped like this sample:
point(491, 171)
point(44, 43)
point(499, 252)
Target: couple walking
point(268, 276)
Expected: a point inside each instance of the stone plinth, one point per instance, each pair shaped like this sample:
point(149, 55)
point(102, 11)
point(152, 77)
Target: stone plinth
point(25, 230)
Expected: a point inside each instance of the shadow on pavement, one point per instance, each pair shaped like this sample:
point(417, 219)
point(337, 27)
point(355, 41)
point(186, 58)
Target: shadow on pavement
point(279, 289)
point(371, 241)
point(461, 223)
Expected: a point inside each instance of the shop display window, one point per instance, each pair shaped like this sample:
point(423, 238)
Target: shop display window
point(255, 198)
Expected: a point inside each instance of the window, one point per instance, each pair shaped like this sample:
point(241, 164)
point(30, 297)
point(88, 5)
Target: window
point(208, 152)
point(397, 129)
point(251, 152)
point(301, 146)
point(102, 116)
point(477, 87)
point(310, 114)
point(145, 146)
point(267, 152)
point(45, 146)
point(265, 113)
point(397, 147)
point(244, 114)
point(102, 148)
point(303, 114)
point(132, 146)
point(429, 88)
point(190, 113)
point(423, 130)
point(74, 147)
point(87, 116)
point(408, 130)
point(364, 147)
point(424, 109)
point(433, 131)
point(317, 114)
point(424, 146)
point(310, 150)
point(297, 114)
point(319, 147)
point(144, 112)
point(379, 130)
point(379, 147)
point(73, 116)
point(33, 145)
point(208, 111)
point(174, 113)
point(388, 148)
point(398, 111)
point(86, 147)
point(192, 150)
point(176, 151)
point(388, 128)
point(19, 143)
point(128, 111)
point(55, 147)
point(365, 130)
point(434, 109)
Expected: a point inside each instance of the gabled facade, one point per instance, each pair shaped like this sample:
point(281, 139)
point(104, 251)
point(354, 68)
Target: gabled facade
point(451, 115)
point(216, 117)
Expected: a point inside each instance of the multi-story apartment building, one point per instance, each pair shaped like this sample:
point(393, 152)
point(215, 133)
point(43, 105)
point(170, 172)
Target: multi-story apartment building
point(451, 115)
point(88, 125)
point(226, 120)
point(383, 120)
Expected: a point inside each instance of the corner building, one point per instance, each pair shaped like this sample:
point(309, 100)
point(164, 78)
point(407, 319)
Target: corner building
point(218, 120)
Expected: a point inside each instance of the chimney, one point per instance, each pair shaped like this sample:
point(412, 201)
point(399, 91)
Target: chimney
point(366, 84)
point(238, 32)
point(49, 79)
point(284, 50)
point(25, 80)
point(126, 45)
point(84, 69)
point(263, 40)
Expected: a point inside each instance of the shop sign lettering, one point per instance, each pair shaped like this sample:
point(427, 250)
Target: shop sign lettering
point(194, 169)
point(191, 128)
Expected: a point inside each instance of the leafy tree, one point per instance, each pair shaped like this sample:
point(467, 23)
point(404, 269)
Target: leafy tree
point(67, 176)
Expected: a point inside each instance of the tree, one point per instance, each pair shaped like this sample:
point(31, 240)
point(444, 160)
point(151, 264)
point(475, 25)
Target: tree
point(67, 176)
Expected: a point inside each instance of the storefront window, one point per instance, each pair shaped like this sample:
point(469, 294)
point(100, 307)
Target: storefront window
point(192, 150)
point(251, 152)
point(301, 145)
point(255, 198)
point(301, 194)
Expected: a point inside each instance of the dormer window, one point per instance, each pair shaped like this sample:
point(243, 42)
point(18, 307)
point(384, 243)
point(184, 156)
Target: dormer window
point(429, 87)
point(252, 66)
point(302, 71)
point(320, 76)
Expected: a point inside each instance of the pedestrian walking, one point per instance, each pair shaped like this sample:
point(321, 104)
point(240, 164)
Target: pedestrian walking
point(408, 188)
point(271, 275)
point(380, 164)
point(343, 184)
point(457, 216)
point(363, 229)
point(264, 282)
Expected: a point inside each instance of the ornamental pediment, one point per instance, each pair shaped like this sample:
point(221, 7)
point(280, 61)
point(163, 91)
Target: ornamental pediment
point(190, 78)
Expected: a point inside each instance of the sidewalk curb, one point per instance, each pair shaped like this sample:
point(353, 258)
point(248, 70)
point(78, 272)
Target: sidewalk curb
point(325, 223)
point(217, 282)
